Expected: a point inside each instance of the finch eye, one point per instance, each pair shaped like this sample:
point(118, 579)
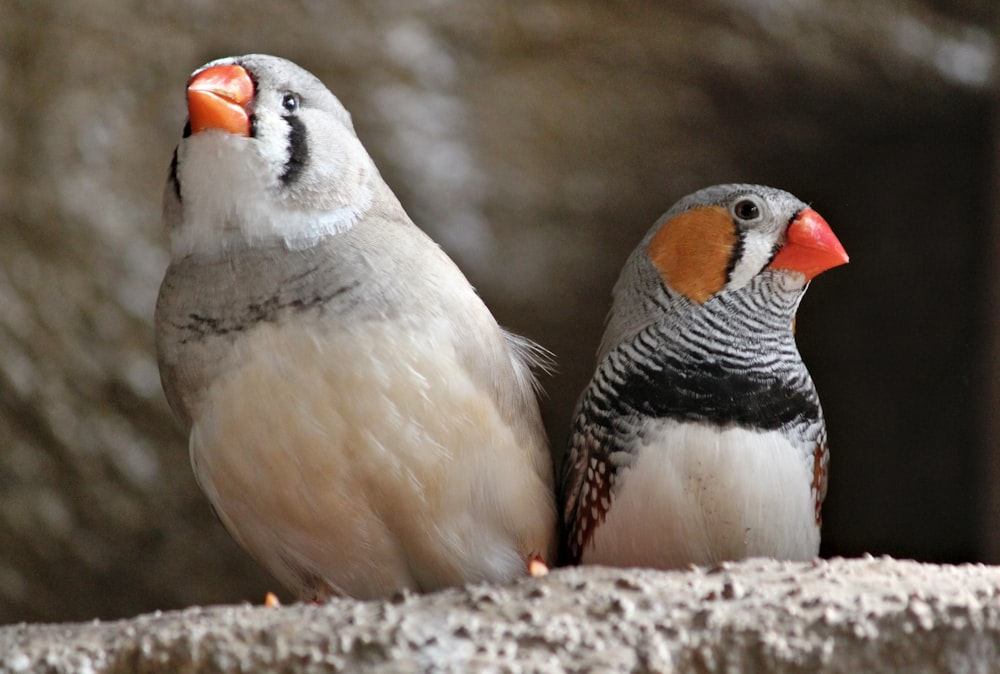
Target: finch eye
point(290, 103)
point(746, 210)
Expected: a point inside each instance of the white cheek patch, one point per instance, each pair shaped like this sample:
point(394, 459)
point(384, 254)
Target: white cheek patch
point(271, 147)
point(757, 251)
point(229, 200)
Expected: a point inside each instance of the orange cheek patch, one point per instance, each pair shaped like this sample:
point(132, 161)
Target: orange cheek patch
point(692, 251)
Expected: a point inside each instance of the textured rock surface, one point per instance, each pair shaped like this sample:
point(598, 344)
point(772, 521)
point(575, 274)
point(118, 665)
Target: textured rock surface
point(847, 616)
point(537, 141)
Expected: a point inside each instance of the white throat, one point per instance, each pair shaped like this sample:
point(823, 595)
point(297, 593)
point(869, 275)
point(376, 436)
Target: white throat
point(230, 201)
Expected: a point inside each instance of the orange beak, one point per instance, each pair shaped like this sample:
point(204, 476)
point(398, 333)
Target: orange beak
point(811, 247)
point(217, 99)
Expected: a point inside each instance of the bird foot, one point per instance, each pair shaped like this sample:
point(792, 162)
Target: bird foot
point(537, 567)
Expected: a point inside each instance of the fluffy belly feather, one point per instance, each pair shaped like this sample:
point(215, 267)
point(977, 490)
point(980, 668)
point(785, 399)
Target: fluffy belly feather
point(365, 463)
point(700, 495)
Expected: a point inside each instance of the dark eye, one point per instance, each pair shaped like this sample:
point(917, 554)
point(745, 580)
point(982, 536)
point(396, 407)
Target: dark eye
point(290, 103)
point(746, 209)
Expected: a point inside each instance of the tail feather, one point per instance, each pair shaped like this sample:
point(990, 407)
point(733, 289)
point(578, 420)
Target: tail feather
point(532, 358)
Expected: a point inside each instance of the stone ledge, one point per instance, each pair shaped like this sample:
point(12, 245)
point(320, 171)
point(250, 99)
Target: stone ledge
point(759, 615)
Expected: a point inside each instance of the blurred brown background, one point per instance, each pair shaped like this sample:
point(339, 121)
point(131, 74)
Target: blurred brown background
point(536, 141)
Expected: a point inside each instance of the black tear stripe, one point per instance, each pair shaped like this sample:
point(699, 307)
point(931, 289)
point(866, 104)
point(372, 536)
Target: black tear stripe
point(187, 130)
point(735, 255)
point(298, 152)
point(174, 182)
point(778, 246)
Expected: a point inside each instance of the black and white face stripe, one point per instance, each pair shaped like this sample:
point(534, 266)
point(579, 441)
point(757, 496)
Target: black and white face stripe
point(298, 150)
point(746, 209)
point(778, 244)
point(297, 140)
point(736, 255)
point(758, 232)
point(175, 184)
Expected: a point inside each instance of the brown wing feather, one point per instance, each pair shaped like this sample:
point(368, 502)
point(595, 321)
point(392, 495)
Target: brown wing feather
point(821, 462)
point(587, 483)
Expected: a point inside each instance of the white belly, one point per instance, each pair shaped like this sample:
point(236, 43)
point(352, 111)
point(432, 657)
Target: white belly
point(369, 460)
point(699, 495)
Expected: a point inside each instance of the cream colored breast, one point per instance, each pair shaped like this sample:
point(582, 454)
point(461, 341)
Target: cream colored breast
point(368, 458)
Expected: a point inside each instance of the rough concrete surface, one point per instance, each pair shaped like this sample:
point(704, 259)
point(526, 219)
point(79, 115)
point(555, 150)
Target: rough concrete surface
point(859, 615)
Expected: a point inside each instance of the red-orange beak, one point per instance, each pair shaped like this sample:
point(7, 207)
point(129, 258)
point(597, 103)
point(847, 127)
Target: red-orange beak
point(810, 247)
point(217, 99)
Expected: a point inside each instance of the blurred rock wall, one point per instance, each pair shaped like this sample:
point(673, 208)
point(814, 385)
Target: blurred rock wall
point(537, 141)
